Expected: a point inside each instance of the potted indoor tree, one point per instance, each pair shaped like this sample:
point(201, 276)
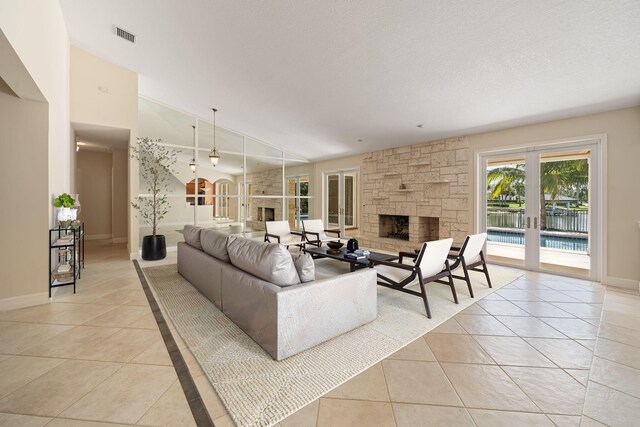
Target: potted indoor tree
point(156, 167)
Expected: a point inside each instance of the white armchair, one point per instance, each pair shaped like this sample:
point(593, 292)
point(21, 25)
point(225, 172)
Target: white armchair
point(279, 232)
point(470, 257)
point(315, 234)
point(431, 265)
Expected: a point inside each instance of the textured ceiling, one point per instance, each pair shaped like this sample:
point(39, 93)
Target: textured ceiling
point(314, 77)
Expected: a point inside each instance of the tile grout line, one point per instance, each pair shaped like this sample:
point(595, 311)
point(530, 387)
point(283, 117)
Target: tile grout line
point(189, 388)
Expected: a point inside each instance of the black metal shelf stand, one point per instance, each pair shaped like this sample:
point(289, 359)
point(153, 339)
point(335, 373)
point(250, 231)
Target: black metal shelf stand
point(66, 251)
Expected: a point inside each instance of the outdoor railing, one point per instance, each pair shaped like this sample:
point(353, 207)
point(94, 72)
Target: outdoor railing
point(574, 221)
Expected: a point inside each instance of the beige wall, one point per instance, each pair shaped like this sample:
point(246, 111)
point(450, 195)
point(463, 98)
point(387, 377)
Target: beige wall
point(106, 94)
point(622, 128)
point(37, 33)
point(102, 92)
point(95, 192)
point(24, 133)
point(35, 61)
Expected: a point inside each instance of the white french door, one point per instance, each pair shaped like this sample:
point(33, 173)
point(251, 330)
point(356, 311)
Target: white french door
point(542, 207)
point(340, 199)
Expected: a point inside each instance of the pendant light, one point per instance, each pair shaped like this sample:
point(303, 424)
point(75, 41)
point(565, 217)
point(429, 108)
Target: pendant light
point(213, 154)
point(192, 164)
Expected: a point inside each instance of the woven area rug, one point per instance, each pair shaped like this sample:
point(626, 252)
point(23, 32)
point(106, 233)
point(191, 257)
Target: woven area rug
point(258, 391)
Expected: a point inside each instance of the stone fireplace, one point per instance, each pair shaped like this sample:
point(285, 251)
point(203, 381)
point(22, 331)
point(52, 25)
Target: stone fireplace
point(427, 183)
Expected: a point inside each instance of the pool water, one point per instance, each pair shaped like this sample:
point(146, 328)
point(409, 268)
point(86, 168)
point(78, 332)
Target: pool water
point(576, 244)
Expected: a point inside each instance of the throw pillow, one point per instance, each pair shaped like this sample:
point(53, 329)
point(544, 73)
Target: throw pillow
point(268, 261)
point(305, 266)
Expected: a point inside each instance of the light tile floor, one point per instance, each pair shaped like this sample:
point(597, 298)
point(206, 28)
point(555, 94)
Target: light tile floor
point(523, 356)
point(96, 356)
point(544, 350)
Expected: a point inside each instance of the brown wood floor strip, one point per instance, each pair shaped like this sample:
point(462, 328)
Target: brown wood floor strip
point(198, 408)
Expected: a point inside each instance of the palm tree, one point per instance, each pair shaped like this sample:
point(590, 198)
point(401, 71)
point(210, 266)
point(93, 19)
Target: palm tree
point(561, 177)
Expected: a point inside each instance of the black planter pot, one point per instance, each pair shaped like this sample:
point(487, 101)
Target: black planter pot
point(154, 248)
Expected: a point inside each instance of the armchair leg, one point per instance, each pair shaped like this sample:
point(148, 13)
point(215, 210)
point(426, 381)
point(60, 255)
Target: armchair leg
point(453, 288)
point(423, 291)
point(485, 269)
point(467, 278)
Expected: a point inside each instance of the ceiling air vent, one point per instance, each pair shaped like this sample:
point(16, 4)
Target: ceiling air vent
point(125, 35)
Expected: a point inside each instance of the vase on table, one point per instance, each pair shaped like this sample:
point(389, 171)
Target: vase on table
point(65, 216)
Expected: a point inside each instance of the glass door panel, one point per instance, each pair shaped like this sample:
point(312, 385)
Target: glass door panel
point(564, 212)
point(505, 209)
point(349, 200)
point(333, 201)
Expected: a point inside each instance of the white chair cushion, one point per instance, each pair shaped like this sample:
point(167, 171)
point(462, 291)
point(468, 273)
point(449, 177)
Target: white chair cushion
point(313, 225)
point(291, 239)
point(434, 256)
point(475, 243)
point(278, 228)
point(393, 273)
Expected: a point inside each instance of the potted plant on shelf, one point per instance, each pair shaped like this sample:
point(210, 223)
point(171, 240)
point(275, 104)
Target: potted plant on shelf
point(66, 211)
point(156, 167)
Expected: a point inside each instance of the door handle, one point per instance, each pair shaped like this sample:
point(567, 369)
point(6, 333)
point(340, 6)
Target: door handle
point(528, 222)
point(535, 222)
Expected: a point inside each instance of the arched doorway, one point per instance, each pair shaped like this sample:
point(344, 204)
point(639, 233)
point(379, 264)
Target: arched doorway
point(204, 194)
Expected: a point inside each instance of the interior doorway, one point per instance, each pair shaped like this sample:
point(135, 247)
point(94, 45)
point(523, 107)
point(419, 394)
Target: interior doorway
point(102, 181)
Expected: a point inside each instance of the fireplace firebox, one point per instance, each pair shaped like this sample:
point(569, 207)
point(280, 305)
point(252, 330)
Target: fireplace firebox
point(413, 228)
point(394, 226)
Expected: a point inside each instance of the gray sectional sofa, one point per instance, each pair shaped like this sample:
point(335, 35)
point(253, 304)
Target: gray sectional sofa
point(272, 297)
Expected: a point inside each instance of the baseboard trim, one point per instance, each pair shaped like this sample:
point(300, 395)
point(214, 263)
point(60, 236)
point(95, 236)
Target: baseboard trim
point(97, 236)
point(21, 301)
point(622, 283)
point(119, 240)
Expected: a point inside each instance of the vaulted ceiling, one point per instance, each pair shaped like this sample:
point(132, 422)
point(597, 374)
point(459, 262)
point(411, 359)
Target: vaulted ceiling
point(315, 77)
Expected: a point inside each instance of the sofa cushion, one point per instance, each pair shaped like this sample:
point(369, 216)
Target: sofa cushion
point(192, 236)
point(268, 261)
point(305, 267)
point(215, 244)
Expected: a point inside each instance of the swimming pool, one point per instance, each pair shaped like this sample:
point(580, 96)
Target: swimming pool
point(576, 244)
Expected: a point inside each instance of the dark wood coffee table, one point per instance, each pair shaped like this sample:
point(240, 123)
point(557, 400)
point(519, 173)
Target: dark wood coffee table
point(354, 264)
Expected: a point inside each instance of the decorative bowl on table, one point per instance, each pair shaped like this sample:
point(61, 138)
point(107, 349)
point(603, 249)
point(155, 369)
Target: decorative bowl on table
point(334, 247)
